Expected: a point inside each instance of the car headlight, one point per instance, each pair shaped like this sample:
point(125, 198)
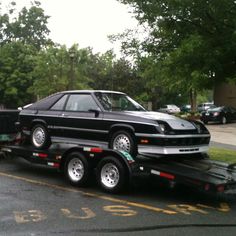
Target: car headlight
point(216, 113)
point(162, 126)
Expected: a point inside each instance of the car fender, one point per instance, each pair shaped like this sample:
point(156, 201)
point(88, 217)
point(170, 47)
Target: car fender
point(38, 121)
point(117, 127)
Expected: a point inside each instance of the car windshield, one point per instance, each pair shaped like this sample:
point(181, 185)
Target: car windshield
point(117, 102)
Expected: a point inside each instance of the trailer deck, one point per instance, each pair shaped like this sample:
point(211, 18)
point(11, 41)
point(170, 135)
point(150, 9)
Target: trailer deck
point(115, 170)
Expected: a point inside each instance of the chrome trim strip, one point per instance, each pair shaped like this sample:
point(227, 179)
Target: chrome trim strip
point(91, 118)
point(172, 136)
point(137, 134)
point(142, 149)
point(84, 142)
point(172, 150)
point(78, 129)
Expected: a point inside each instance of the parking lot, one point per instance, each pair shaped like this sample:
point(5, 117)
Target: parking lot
point(223, 134)
point(37, 200)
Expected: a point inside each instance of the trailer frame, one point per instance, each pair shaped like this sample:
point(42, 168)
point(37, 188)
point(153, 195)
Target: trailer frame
point(115, 170)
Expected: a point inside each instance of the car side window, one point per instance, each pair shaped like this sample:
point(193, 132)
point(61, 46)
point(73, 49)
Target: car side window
point(80, 102)
point(59, 105)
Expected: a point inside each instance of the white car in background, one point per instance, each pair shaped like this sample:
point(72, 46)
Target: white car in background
point(170, 109)
point(205, 106)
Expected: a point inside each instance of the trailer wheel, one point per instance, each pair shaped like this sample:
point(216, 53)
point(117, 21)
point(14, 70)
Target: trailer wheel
point(77, 169)
point(112, 175)
point(39, 137)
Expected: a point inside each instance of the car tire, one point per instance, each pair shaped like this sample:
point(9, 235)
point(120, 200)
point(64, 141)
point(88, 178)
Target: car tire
point(77, 169)
point(205, 122)
point(223, 120)
point(124, 141)
point(111, 175)
point(39, 137)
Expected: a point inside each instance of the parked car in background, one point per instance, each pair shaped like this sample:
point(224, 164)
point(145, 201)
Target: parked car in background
point(222, 114)
point(110, 119)
point(205, 106)
point(170, 109)
point(186, 108)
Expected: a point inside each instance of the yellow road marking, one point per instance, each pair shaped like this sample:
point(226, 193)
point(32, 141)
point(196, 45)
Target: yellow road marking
point(187, 209)
point(120, 210)
point(89, 213)
point(29, 216)
point(103, 197)
point(224, 207)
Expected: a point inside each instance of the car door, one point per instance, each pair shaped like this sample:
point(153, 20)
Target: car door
point(55, 118)
point(82, 118)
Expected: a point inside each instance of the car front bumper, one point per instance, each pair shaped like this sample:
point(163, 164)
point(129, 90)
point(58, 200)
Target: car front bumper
point(149, 149)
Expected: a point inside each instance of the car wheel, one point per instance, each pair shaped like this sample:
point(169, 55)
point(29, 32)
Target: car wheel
point(39, 137)
point(111, 175)
point(205, 122)
point(77, 169)
point(223, 120)
point(124, 141)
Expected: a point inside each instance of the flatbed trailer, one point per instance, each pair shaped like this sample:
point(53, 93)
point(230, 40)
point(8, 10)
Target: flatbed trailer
point(115, 170)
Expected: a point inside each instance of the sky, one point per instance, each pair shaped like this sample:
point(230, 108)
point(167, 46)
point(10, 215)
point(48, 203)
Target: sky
point(86, 22)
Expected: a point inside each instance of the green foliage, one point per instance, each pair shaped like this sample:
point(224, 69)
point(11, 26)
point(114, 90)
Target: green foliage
point(50, 71)
point(22, 36)
point(193, 43)
point(224, 155)
point(16, 62)
point(28, 27)
point(56, 67)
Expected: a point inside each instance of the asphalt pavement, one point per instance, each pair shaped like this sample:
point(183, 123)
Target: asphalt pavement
point(223, 136)
point(36, 200)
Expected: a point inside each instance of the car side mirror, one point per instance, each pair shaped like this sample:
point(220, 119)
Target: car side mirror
point(96, 112)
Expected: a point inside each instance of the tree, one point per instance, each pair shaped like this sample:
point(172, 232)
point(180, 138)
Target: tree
point(17, 62)
point(193, 41)
point(28, 27)
point(22, 36)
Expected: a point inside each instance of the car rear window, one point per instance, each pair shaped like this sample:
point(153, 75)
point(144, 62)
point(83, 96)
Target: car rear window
point(45, 103)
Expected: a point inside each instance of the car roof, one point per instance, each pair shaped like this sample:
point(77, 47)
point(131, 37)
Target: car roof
point(91, 91)
point(47, 102)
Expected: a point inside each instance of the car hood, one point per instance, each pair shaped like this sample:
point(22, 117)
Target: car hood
point(173, 121)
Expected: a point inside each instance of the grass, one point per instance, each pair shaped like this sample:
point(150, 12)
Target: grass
point(224, 155)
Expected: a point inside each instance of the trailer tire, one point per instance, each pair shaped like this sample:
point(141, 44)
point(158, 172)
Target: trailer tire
point(39, 137)
point(112, 174)
point(77, 169)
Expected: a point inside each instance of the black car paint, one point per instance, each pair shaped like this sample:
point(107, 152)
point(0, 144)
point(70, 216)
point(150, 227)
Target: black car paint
point(99, 124)
point(217, 114)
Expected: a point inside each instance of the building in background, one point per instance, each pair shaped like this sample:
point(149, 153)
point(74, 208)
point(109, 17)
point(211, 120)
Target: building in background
point(225, 94)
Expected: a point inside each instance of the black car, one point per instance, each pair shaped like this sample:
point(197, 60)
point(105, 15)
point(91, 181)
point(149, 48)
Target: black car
point(186, 108)
point(222, 114)
point(110, 119)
